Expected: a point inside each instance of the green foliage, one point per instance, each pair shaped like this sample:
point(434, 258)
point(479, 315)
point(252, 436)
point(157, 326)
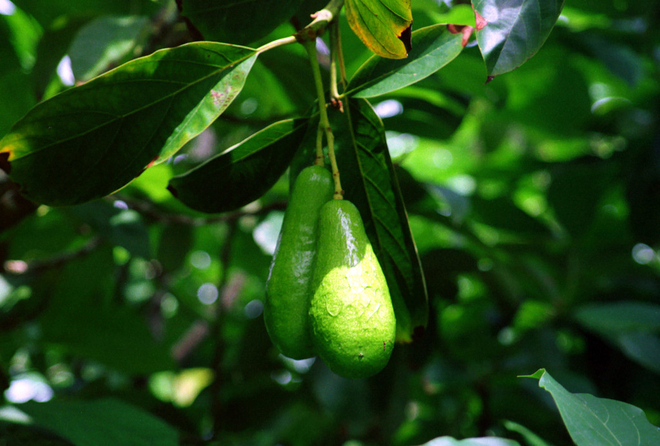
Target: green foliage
point(516, 220)
point(592, 420)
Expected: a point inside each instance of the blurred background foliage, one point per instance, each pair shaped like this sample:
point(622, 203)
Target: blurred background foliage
point(534, 201)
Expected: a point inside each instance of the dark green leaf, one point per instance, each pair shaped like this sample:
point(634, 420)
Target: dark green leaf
point(52, 47)
point(243, 173)
point(58, 10)
point(382, 25)
point(514, 30)
point(106, 422)
point(93, 139)
point(595, 421)
point(16, 96)
point(433, 47)
point(620, 317)
point(631, 326)
point(242, 21)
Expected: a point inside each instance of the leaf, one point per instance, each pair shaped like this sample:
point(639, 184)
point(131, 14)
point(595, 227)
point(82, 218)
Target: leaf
point(530, 437)
point(105, 422)
point(620, 317)
point(595, 421)
point(514, 30)
point(104, 42)
point(382, 25)
point(369, 181)
point(93, 139)
point(242, 21)
point(482, 441)
point(433, 47)
point(243, 173)
point(631, 326)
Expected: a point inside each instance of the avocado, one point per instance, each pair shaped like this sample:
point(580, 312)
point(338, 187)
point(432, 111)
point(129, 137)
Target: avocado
point(288, 285)
point(352, 318)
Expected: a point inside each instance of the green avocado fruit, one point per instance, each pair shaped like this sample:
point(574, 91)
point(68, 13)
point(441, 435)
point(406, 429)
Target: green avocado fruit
point(286, 307)
point(352, 318)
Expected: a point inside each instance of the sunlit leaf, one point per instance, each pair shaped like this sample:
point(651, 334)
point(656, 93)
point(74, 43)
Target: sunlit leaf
point(433, 47)
point(106, 422)
point(93, 139)
point(513, 31)
point(103, 43)
point(243, 173)
point(382, 25)
point(593, 421)
point(242, 21)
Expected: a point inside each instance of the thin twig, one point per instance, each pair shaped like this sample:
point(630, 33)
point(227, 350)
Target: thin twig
point(18, 267)
point(151, 211)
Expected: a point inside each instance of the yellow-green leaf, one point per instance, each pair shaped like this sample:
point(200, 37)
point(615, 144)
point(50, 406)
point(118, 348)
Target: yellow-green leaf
point(384, 26)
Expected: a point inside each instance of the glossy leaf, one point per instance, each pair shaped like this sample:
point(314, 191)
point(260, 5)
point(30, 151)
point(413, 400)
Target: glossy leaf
point(513, 31)
point(239, 22)
point(595, 421)
point(369, 181)
point(106, 422)
point(433, 47)
point(243, 173)
point(93, 139)
point(382, 25)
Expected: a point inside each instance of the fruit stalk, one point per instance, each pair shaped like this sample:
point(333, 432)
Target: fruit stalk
point(324, 122)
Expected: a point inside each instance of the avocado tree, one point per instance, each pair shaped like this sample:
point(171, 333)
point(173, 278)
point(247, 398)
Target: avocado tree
point(502, 159)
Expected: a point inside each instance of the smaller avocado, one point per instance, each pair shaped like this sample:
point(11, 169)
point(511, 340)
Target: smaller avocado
point(352, 318)
point(286, 305)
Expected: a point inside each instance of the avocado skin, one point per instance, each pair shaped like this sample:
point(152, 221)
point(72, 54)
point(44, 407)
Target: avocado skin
point(352, 318)
point(288, 293)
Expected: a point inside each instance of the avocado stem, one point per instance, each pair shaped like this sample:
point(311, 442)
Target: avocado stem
point(324, 122)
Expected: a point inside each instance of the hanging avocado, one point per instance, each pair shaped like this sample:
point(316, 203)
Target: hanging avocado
point(352, 319)
point(288, 286)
